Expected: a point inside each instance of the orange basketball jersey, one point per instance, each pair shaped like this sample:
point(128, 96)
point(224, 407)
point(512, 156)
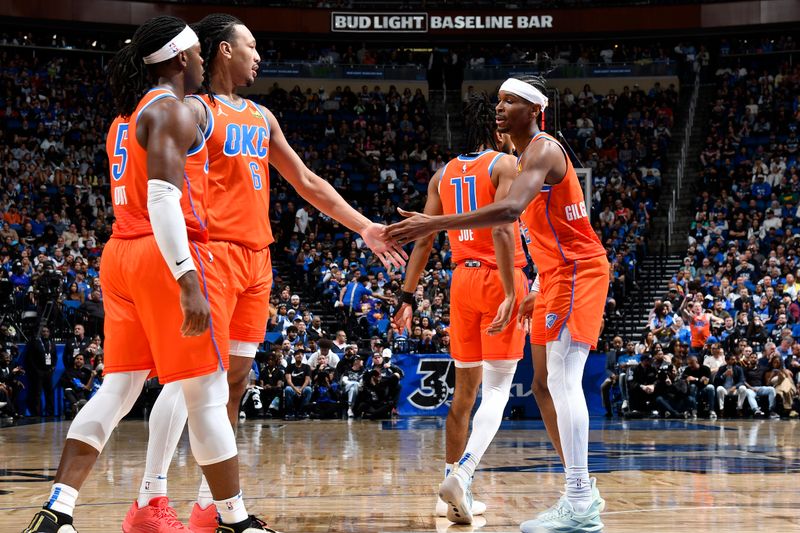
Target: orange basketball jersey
point(238, 195)
point(128, 166)
point(556, 221)
point(466, 185)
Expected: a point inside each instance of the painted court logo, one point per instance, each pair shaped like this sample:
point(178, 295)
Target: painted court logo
point(550, 319)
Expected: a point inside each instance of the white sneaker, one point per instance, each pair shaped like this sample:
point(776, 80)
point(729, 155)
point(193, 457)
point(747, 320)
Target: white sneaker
point(712, 415)
point(350, 413)
point(624, 406)
point(563, 518)
point(478, 508)
point(458, 498)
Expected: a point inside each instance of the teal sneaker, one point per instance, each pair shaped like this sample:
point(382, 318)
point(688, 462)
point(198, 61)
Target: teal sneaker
point(458, 498)
point(562, 518)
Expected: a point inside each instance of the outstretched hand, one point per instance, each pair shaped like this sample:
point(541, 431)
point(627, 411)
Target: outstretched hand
point(385, 247)
point(401, 321)
point(415, 226)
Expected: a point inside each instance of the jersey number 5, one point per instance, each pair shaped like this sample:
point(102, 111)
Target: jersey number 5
point(120, 151)
point(458, 183)
point(254, 171)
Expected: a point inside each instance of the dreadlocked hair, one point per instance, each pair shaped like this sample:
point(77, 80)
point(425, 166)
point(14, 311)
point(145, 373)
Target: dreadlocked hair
point(211, 31)
point(129, 77)
point(479, 115)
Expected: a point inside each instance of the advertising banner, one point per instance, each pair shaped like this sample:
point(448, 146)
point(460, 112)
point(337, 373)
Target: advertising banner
point(348, 21)
point(429, 382)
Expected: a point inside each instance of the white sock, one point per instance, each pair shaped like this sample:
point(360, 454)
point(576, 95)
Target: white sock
point(448, 467)
point(579, 489)
point(62, 499)
point(495, 389)
point(232, 510)
point(565, 362)
point(204, 497)
point(153, 486)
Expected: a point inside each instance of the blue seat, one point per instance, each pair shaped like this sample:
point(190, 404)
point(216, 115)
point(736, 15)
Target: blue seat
point(796, 331)
point(272, 336)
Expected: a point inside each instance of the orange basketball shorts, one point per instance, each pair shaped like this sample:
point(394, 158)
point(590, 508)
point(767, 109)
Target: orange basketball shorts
point(143, 313)
point(475, 295)
point(572, 296)
point(249, 278)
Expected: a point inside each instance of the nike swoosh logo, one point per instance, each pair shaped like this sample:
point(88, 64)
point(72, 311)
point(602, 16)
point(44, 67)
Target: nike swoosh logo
point(179, 263)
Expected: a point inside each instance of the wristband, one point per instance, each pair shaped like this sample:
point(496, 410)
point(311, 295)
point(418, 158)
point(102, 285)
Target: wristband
point(408, 298)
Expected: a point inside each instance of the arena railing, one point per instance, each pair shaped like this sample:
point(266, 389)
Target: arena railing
point(572, 70)
point(682, 161)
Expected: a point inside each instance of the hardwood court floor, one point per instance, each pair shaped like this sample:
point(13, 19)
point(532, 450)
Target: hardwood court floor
point(312, 476)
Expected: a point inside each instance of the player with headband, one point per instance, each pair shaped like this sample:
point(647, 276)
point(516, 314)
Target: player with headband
point(163, 290)
point(243, 140)
point(573, 269)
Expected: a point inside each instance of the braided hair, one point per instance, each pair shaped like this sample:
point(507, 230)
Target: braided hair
point(538, 82)
point(128, 76)
point(479, 115)
point(211, 31)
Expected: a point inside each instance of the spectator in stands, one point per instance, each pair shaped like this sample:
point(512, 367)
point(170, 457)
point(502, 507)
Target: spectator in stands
point(316, 331)
point(715, 359)
point(756, 385)
point(375, 400)
point(643, 385)
point(339, 343)
point(699, 379)
point(612, 375)
point(325, 350)
point(297, 393)
point(93, 308)
point(346, 361)
point(78, 383)
point(40, 364)
point(352, 382)
point(75, 345)
point(271, 380)
point(782, 380)
point(699, 321)
point(327, 395)
point(729, 382)
point(9, 383)
point(672, 394)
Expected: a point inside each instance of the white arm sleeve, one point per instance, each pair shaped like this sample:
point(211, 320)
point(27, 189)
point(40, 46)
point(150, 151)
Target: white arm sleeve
point(535, 286)
point(169, 227)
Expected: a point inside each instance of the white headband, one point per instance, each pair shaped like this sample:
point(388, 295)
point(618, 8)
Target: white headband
point(181, 42)
point(524, 90)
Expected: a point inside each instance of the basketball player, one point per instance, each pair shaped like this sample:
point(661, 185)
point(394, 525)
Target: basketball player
point(243, 138)
point(163, 291)
point(487, 286)
point(574, 277)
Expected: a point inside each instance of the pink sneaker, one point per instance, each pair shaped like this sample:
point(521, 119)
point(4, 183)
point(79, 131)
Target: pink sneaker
point(157, 517)
point(203, 520)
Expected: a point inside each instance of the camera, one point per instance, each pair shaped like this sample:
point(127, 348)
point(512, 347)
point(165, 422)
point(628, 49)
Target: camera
point(48, 284)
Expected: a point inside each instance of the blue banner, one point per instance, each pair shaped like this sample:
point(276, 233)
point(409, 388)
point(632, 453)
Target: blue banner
point(429, 382)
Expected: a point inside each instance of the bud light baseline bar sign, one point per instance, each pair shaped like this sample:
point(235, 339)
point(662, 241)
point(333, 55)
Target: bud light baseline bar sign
point(425, 22)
